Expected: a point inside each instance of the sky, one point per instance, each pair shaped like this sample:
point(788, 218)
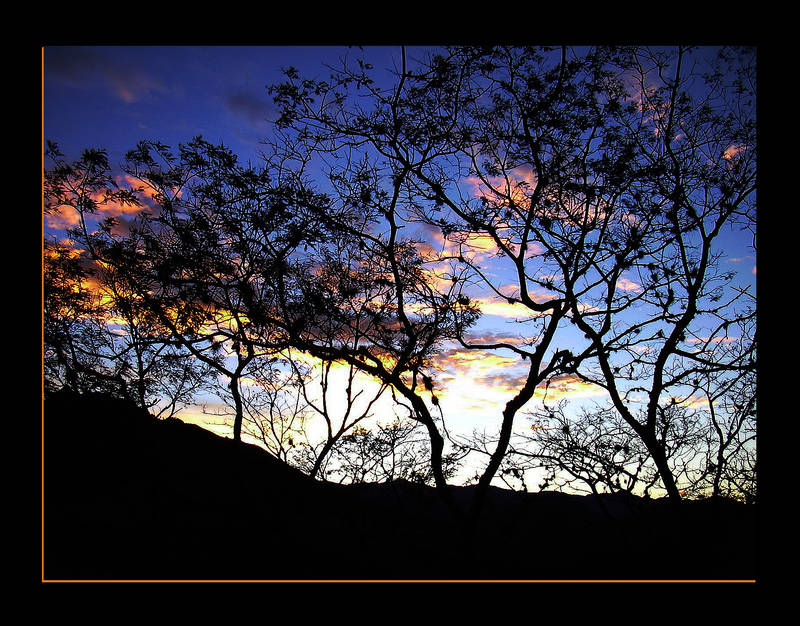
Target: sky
point(113, 97)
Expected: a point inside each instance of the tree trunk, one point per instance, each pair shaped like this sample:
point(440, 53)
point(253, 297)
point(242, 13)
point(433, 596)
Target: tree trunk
point(141, 390)
point(509, 412)
point(495, 460)
point(660, 459)
point(437, 447)
point(237, 403)
point(318, 462)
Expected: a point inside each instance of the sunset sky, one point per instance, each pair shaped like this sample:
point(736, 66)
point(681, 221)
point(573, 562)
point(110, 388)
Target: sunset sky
point(113, 97)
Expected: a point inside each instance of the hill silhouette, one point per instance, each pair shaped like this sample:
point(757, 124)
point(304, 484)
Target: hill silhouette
point(127, 497)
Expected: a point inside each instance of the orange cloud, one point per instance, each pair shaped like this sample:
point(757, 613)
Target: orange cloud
point(513, 309)
point(567, 386)
point(504, 382)
point(695, 402)
point(512, 187)
point(463, 359)
point(132, 86)
point(732, 151)
point(65, 218)
point(513, 340)
point(474, 246)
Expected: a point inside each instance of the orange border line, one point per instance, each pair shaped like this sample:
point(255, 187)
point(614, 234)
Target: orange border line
point(42, 318)
point(416, 581)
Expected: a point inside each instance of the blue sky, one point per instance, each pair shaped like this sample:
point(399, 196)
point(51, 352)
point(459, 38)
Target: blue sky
point(112, 97)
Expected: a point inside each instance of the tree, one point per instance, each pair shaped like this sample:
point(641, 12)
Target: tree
point(339, 422)
point(275, 413)
point(589, 450)
point(584, 170)
point(161, 375)
point(389, 451)
point(699, 143)
point(729, 467)
point(441, 124)
point(76, 338)
point(591, 190)
point(75, 351)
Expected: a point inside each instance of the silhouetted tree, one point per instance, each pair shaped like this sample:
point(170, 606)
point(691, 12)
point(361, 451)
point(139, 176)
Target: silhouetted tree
point(445, 122)
point(729, 409)
point(75, 337)
point(275, 412)
point(338, 408)
point(603, 178)
point(596, 450)
point(162, 376)
point(363, 298)
point(398, 450)
point(696, 136)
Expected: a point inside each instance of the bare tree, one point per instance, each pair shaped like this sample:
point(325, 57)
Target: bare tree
point(275, 413)
point(386, 452)
point(337, 404)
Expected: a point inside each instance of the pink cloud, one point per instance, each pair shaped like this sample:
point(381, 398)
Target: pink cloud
point(623, 284)
point(712, 340)
point(500, 188)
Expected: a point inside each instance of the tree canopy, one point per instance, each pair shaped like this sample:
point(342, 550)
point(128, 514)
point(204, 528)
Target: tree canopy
point(591, 189)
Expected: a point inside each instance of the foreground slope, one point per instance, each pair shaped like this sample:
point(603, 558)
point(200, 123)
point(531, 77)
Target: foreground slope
point(127, 497)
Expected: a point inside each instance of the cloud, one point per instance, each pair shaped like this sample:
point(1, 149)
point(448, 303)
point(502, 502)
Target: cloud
point(513, 309)
point(506, 382)
point(712, 339)
point(494, 337)
point(732, 151)
point(739, 259)
point(116, 209)
point(476, 382)
point(623, 284)
point(133, 86)
point(461, 360)
point(472, 246)
point(503, 308)
point(65, 218)
point(427, 251)
point(567, 386)
point(85, 68)
point(695, 402)
point(249, 107)
point(499, 188)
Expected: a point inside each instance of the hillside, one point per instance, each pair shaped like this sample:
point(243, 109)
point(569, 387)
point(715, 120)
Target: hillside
point(128, 497)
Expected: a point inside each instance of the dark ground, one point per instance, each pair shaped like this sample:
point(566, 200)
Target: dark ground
point(130, 498)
